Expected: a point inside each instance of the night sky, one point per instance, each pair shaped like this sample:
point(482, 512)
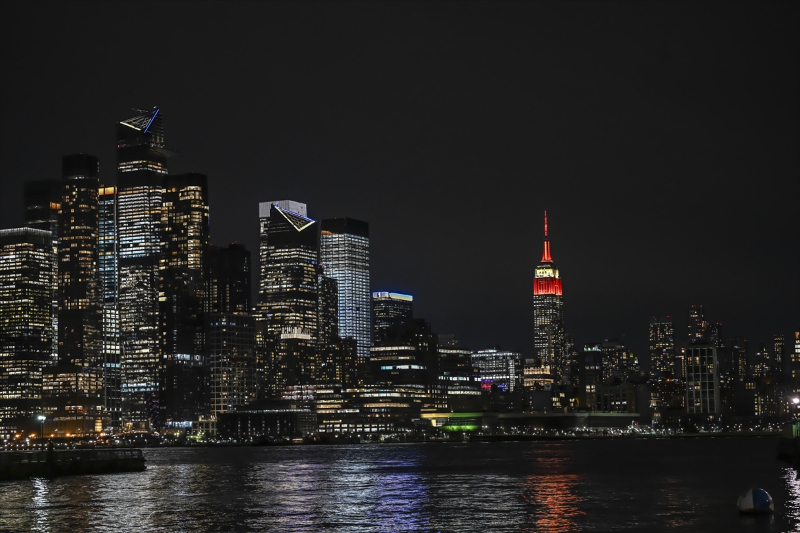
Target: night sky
point(663, 139)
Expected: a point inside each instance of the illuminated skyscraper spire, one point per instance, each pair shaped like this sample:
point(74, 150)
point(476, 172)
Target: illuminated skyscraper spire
point(546, 258)
point(548, 315)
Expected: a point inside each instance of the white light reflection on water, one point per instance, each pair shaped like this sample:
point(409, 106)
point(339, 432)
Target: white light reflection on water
point(792, 504)
point(39, 504)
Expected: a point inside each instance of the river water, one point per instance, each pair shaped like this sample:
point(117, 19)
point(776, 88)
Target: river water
point(605, 485)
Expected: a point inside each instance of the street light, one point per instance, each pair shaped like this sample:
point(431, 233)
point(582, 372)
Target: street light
point(41, 418)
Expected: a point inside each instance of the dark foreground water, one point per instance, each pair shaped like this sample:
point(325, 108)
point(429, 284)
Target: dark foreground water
point(634, 485)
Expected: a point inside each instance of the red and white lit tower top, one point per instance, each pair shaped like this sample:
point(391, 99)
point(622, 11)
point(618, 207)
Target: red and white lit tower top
point(547, 279)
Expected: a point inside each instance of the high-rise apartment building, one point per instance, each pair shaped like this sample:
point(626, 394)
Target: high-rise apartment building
point(779, 355)
point(548, 313)
point(185, 242)
point(702, 380)
point(287, 311)
point(390, 309)
point(662, 345)
point(75, 386)
point(739, 358)
point(231, 365)
point(109, 282)
point(141, 167)
point(698, 327)
point(26, 326)
point(344, 254)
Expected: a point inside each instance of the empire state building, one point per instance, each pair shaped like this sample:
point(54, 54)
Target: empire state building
point(548, 313)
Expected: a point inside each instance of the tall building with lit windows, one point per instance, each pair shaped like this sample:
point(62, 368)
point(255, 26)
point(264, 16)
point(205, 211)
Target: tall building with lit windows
point(344, 254)
point(698, 326)
point(42, 200)
point(74, 387)
point(184, 223)
point(662, 345)
point(548, 314)
point(390, 309)
point(107, 252)
point(26, 326)
point(141, 167)
point(288, 297)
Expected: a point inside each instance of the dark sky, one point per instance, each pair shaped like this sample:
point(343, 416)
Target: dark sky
point(662, 138)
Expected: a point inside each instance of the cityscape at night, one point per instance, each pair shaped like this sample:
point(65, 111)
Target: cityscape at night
point(447, 261)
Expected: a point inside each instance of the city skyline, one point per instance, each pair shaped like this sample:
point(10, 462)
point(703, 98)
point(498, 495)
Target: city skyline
point(642, 228)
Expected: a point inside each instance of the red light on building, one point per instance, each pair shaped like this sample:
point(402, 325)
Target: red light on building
point(547, 286)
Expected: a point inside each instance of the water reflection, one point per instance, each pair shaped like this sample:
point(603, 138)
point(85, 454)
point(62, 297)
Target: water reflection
point(792, 504)
point(552, 493)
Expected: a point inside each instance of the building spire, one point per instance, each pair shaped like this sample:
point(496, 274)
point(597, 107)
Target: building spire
point(546, 258)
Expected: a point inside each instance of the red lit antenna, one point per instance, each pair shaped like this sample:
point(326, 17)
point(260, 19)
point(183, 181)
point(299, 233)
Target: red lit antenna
point(546, 258)
point(545, 223)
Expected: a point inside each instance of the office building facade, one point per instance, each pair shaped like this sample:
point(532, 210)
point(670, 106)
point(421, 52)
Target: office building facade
point(26, 326)
point(141, 167)
point(344, 255)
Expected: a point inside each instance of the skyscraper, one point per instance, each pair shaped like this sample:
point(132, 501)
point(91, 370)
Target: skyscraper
point(227, 279)
point(344, 254)
point(26, 326)
point(42, 200)
point(702, 380)
point(185, 241)
point(141, 167)
point(548, 313)
point(288, 297)
point(229, 328)
point(79, 372)
point(662, 345)
point(390, 309)
point(109, 281)
point(698, 327)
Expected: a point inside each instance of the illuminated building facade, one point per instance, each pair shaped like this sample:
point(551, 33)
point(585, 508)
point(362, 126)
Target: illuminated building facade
point(26, 326)
point(107, 257)
point(344, 254)
point(388, 310)
point(288, 299)
point(548, 314)
point(662, 346)
point(79, 372)
point(698, 327)
point(230, 342)
point(618, 360)
point(42, 203)
point(702, 380)
point(185, 241)
point(498, 367)
point(406, 354)
point(141, 167)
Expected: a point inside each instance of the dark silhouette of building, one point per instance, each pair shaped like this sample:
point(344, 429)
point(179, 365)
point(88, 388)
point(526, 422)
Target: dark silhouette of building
point(390, 309)
point(185, 241)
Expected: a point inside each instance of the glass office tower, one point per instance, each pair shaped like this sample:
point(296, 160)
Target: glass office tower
point(141, 167)
point(107, 251)
point(344, 254)
point(287, 329)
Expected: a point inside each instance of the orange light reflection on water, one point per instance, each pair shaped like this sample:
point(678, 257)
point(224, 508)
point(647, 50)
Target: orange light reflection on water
point(554, 500)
